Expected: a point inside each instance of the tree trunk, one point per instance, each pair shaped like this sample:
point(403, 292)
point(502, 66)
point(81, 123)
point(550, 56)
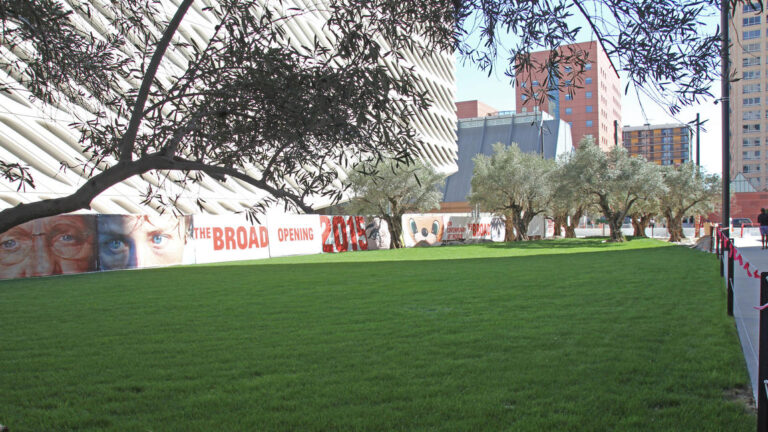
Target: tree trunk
point(614, 223)
point(509, 228)
point(675, 227)
point(570, 229)
point(561, 222)
point(637, 226)
point(395, 224)
point(521, 225)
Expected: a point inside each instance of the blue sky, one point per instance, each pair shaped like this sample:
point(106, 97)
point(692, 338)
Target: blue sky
point(637, 108)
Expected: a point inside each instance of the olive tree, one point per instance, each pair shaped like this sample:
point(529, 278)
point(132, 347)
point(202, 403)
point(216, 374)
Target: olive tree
point(514, 185)
point(390, 190)
point(688, 192)
point(613, 182)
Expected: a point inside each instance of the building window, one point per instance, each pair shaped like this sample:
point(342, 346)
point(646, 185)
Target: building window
point(523, 97)
point(751, 101)
point(752, 115)
point(588, 95)
point(588, 66)
point(751, 142)
point(589, 123)
point(751, 75)
point(750, 48)
point(589, 108)
point(751, 88)
point(570, 124)
point(569, 110)
point(568, 96)
point(750, 7)
point(751, 34)
point(684, 155)
point(750, 61)
point(587, 80)
point(535, 83)
point(750, 21)
point(666, 132)
point(751, 155)
point(567, 83)
point(751, 169)
point(684, 138)
point(666, 148)
point(568, 69)
point(750, 128)
point(667, 140)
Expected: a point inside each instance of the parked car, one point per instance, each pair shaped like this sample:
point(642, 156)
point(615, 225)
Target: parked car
point(740, 222)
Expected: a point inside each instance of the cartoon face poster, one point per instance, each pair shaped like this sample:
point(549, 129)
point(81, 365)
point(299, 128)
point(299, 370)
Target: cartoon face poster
point(423, 230)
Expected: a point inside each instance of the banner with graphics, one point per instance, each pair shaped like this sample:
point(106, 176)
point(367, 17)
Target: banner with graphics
point(343, 233)
point(294, 235)
point(54, 245)
point(229, 238)
point(377, 233)
point(423, 229)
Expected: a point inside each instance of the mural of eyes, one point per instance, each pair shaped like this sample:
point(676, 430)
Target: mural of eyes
point(414, 229)
point(435, 227)
point(159, 239)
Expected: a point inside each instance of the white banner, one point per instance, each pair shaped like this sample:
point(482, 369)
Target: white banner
point(294, 235)
point(220, 238)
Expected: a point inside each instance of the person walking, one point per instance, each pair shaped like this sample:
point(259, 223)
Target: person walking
point(762, 219)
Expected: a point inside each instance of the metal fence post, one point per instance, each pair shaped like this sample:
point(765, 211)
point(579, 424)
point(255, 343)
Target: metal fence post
point(762, 358)
point(730, 283)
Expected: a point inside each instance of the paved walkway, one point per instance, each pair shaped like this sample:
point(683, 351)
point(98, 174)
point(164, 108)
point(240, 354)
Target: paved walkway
point(746, 296)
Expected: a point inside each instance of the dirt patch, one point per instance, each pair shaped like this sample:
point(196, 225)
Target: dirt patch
point(741, 395)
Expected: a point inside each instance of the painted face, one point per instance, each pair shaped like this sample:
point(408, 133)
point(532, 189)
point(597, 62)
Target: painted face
point(425, 230)
point(140, 241)
point(48, 246)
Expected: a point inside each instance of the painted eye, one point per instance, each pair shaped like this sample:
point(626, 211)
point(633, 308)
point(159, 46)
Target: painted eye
point(413, 226)
point(115, 245)
point(435, 227)
point(67, 238)
point(9, 244)
point(158, 239)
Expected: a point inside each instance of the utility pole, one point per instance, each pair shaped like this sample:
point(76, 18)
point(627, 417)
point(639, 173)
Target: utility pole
point(616, 133)
point(698, 141)
point(725, 106)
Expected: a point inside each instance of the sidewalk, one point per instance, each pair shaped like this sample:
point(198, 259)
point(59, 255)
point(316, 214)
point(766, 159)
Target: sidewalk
point(746, 296)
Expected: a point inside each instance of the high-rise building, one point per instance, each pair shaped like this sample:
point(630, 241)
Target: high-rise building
point(749, 53)
point(40, 137)
point(664, 144)
point(591, 105)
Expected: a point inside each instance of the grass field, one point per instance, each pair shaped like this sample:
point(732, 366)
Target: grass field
point(560, 335)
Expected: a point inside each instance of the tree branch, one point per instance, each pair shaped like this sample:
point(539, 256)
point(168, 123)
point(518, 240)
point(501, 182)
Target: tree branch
point(129, 138)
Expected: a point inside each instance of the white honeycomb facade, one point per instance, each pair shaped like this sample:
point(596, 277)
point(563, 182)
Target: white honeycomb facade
point(39, 137)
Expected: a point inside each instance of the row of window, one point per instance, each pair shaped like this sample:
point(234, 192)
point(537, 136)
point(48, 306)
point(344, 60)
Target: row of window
point(751, 7)
point(568, 96)
point(751, 101)
point(751, 75)
point(752, 142)
point(751, 128)
point(750, 21)
point(752, 168)
point(588, 109)
point(588, 123)
point(751, 155)
point(752, 115)
point(567, 83)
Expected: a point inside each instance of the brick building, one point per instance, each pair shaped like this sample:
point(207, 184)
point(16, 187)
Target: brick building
point(664, 144)
point(591, 105)
point(474, 108)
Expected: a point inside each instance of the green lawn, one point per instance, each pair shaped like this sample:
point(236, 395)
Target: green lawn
point(544, 336)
